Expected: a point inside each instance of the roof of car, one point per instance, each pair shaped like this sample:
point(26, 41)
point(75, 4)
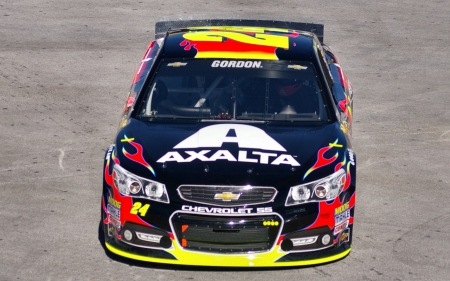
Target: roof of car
point(239, 42)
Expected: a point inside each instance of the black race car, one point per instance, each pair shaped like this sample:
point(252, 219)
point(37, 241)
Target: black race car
point(233, 149)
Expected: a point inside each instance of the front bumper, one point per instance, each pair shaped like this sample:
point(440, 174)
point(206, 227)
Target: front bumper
point(250, 236)
point(225, 241)
point(273, 258)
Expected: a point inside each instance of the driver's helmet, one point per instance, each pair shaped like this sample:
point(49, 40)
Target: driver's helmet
point(287, 87)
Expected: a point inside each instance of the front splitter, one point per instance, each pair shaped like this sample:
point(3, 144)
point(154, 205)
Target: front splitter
point(273, 258)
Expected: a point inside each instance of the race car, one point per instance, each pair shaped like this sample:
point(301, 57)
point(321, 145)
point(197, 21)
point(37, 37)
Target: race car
point(233, 149)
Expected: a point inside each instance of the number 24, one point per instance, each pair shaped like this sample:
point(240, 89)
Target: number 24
point(139, 208)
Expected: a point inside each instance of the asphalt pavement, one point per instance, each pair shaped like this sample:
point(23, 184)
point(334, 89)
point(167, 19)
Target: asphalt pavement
point(65, 70)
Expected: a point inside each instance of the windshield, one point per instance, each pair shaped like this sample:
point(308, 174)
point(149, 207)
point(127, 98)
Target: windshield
point(235, 90)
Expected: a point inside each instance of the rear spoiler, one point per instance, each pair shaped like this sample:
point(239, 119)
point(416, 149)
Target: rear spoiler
point(162, 27)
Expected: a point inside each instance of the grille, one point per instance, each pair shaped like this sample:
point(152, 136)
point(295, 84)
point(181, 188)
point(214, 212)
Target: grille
point(226, 234)
point(227, 195)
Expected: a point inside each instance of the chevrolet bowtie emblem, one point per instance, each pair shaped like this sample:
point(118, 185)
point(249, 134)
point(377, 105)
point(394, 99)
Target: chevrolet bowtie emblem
point(177, 64)
point(226, 196)
point(297, 67)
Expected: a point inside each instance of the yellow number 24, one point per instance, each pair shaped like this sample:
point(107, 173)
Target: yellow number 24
point(139, 208)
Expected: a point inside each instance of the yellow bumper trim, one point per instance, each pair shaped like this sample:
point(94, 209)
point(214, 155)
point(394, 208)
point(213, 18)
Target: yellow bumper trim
point(228, 260)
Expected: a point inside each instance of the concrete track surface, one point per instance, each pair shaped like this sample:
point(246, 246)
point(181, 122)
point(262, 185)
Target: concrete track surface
point(66, 66)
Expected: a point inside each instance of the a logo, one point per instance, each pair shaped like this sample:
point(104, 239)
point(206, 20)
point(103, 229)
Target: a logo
point(236, 64)
point(177, 64)
point(226, 196)
point(214, 210)
point(245, 136)
point(342, 214)
point(297, 67)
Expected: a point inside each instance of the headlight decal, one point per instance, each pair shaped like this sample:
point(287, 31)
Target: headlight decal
point(325, 189)
point(322, 160)
point(128, 184)
point(138, 156)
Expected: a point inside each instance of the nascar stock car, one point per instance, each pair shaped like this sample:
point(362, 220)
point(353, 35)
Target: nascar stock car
point(233, 149)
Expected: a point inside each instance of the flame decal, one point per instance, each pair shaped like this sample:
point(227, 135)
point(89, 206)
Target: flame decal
point(106, 220)
point(326, 213)
point(344, 105)
point(138, 156)
point(115, 159)
point(126, 205)
point(321, 160)
point(340, 164)
point(144, 63)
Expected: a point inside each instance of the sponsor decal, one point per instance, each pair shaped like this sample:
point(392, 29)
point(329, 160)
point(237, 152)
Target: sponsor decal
point(114, 212)
point(340, 227)
point(245, 136)
point(115, 203)
point(236, 64)
point(341, 214)
point(351, 155)
point(214, 210)
point(108, 154)
point(114, 207)
point(111, 229)
point(345, 236)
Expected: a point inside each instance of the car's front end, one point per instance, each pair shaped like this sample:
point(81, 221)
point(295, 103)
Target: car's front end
point(230, 205)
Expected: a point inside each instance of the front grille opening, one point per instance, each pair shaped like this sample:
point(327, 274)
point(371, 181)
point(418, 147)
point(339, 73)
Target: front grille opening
point(227, 195)
point(215, 233)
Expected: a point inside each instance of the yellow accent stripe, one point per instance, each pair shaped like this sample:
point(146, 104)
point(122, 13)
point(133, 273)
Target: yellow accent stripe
point(245, 260)
point(125, 139)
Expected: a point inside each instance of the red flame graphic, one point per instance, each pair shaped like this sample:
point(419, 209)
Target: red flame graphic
point(138, 156)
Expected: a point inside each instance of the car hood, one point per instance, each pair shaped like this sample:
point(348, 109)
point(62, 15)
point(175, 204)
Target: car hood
point(205, 153)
